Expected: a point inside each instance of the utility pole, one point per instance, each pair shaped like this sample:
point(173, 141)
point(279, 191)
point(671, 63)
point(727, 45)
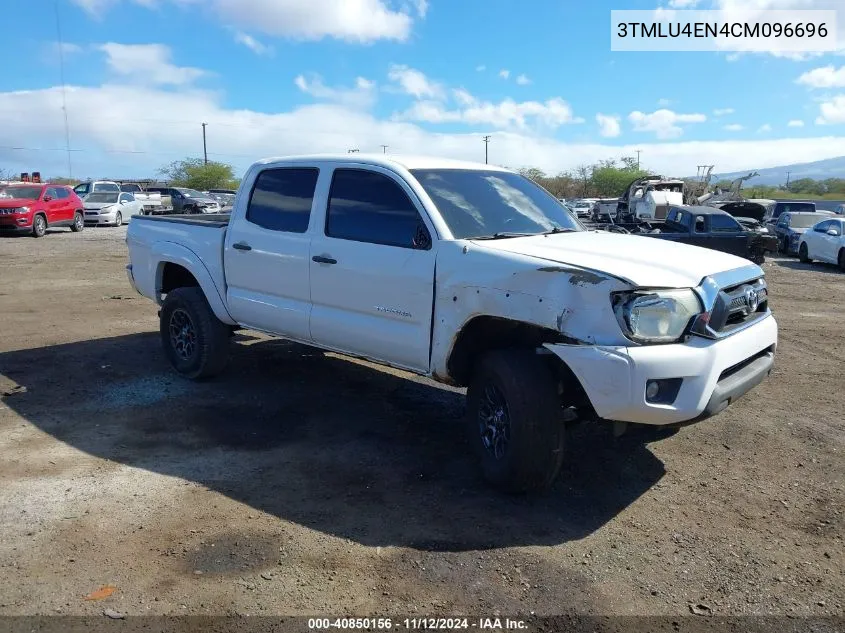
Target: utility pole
point(638, 159)
point(486, 140)
point(384, 149)
point(787, 179)
point(204, 150)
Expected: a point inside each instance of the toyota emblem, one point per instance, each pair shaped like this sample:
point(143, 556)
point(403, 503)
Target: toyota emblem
point(752, 300)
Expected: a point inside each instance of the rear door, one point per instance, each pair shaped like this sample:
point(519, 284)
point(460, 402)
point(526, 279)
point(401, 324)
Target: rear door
point(824, 245)
point(727, 235)
point(267, 253)
point(67, 207)
point(372, 270)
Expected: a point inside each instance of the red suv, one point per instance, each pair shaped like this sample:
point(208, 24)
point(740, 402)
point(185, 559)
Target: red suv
point(32, 207)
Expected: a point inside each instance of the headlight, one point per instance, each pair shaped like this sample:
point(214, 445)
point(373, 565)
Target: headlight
point(655, 316)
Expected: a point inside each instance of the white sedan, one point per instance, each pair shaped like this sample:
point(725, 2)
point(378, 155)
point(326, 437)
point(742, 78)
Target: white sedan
point(824, 242)
point(110, 208)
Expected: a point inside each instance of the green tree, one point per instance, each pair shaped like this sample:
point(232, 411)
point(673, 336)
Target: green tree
point(533, 173)
point(609, 181)
point(196, 174)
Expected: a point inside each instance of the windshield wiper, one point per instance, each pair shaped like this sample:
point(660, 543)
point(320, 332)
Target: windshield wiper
point(502, 235)
point(559, 229)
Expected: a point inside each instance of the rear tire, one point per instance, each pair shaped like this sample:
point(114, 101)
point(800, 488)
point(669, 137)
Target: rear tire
point(841, 259)
point(513, 420)
point(803, 254)
point(78, 222)
point(195, 341)
point(39, 226)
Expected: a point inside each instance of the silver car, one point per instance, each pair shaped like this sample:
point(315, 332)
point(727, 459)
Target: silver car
point(110, 208)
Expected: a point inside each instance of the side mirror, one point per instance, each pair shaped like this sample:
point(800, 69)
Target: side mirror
point(833, 232)
point(123, 202)
point(422, 239)
point(48, 198)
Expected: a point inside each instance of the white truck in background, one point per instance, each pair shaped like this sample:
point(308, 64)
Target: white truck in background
point(152, 201)
point(470, 274)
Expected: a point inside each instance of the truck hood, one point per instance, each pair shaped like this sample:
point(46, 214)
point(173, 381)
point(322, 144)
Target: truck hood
point(641, 261)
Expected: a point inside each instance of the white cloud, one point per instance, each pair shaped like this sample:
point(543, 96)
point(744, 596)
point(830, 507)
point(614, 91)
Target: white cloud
point(723, 111)
point(67, 48)
point(734, 127)
point(253, 44)
point(824, 77)
point(763, 129)
point(504, 73)
point(414, 82)
point(795, 123)
point(147, 63)
point(523, 80)
point(361, 21)
point(106, 127)
point(506, 114)
point(361, 96)
point(664, 123)
point(480, 68)
point(609, 125)
point(832, 111)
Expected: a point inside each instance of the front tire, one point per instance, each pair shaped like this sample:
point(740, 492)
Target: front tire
point(39, 226)
point(804, 254)
point(195, 341)
point(513, 420)
point(118, 219)
point(78, 223)
point(841, 260)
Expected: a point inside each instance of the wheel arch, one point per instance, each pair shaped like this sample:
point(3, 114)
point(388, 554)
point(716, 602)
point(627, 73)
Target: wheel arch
point(178, 266)
point(484, 333)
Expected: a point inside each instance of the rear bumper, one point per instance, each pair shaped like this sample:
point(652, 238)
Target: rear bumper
point(713, 373)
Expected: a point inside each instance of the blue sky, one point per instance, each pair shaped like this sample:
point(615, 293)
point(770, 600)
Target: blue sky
point(275, 77)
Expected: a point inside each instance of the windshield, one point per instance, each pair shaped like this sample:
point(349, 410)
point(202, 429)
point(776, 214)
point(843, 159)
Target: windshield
point(793, 207)
point(477, 203)
point(111, 198)
point(803, 221)
point(23, 192)
point(192, 193)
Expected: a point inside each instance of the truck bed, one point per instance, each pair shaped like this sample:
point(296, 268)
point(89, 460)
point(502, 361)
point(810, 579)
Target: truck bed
point(214, 220)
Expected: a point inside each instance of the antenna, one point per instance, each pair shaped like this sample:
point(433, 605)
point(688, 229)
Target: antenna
point(64, 96)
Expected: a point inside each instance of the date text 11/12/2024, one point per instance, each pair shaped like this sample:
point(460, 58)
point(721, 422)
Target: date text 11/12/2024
point(418, 624)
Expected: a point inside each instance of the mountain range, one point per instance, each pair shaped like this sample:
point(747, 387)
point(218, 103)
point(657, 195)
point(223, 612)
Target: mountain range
point(817, 170)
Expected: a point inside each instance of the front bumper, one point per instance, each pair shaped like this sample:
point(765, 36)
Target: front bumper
point(715, 374)
point(93, 218)
point(15, 224)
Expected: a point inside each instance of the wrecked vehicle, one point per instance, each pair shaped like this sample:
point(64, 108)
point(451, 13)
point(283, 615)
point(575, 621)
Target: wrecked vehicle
point(712, 228)
point(472, 275)
point(649, 198)
point(749, 213)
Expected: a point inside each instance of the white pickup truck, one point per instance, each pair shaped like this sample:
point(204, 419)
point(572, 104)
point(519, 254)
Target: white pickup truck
point(472, 275)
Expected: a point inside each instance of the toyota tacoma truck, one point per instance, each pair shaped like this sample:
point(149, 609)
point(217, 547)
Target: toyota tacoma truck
point(469, 274)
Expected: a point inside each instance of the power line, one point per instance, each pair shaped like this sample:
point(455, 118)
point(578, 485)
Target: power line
point(486, 140)
point(64, 95)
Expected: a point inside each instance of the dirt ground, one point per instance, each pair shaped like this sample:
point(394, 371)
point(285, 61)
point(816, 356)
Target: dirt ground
point(301, 482)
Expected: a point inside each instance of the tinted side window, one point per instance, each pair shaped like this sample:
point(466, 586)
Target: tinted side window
point(281, 199)
point(82, 189)
point(366, 206)
point(822, 227)
point(51, 191)
point(723, 224)
point(61, 192)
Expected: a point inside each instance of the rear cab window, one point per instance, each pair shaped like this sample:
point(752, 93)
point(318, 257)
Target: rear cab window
point(282, 197)
point(366, 206)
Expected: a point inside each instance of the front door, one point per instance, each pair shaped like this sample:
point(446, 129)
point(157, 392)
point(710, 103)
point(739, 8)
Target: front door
point(267, 254)
point(372, 271)
point(52, 205)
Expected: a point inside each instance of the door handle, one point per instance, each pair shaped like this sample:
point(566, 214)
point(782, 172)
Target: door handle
point(323, 260)
point(242, 246)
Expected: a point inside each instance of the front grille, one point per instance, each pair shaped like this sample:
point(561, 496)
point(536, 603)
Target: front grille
point(739, 305)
